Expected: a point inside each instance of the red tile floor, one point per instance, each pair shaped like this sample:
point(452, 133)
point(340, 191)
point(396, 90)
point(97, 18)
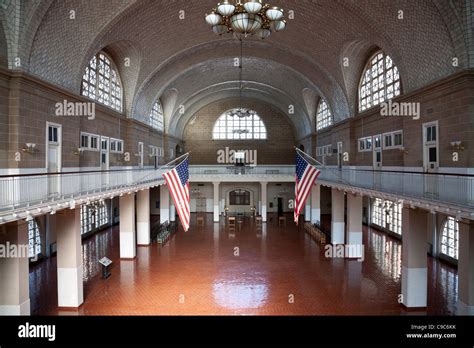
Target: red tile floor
point(274, 271)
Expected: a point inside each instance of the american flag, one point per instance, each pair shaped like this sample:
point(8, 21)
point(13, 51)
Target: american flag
point(178, 184)
point(306, 175)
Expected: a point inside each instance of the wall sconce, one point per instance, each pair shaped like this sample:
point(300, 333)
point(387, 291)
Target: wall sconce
point(79, 151)
point(457, 145)
point(30, 148)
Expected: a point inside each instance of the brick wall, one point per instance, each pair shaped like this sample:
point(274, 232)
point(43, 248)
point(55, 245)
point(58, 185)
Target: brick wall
point(450, 102)
point(276, 149)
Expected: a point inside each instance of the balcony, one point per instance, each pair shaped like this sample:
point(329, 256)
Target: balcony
point(231, 173)
point(22, 195)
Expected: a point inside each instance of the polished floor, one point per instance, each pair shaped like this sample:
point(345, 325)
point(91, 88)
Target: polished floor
point(251, 271)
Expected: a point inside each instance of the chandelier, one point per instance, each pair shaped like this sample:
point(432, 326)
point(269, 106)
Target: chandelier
point(244, 18)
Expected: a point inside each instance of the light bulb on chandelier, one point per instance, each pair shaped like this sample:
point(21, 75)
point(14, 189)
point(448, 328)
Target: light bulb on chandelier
point(245, 18)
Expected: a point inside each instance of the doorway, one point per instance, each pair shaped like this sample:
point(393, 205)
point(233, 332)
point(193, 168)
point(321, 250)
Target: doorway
point(280, 206)
point(53, 156)
point(377, 152)
point(140, 155)
point(104, 153)
point(339, 154)
point(430, 147)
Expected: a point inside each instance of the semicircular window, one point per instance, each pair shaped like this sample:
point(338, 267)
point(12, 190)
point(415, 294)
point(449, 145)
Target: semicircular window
point(239, 124)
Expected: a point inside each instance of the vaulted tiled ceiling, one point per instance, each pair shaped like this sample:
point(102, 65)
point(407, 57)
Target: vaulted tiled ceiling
point(182, 58)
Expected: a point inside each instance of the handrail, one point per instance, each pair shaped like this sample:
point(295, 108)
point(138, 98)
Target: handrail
point(398, 171)
point(76, 172)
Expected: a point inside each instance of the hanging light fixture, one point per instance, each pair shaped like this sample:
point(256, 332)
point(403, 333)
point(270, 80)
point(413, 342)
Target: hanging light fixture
point(245, 18)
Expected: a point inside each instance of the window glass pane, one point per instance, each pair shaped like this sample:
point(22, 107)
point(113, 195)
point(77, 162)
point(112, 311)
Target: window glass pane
point(239, 124)
point(380, 82)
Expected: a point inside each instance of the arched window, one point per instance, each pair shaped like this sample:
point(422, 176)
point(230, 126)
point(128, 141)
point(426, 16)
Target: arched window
point(239, 124)
point(450, 238)
point(380, 81)
point(388, 215)
point(34, 239)
point(323, 116)
point(156, 116)
point(101, 82)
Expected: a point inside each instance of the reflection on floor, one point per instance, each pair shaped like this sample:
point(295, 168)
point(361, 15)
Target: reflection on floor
point(250, 271)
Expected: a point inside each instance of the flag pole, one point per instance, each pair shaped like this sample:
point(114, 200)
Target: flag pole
point(173, 161)
point(304, 153)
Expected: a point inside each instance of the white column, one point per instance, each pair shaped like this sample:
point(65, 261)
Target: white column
point(307, 209)
point(172, 210)
point(354, 225)
point(69, 258)
point(164, 204)
point(264, 201)
point(316, 204)
point(337, 217)
point(216, 201)
point(14, 271)
point(143, 217)
point(414, 259)
point(127, 227)
point(465, 304)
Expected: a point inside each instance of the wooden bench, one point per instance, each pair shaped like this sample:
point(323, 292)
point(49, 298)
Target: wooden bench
point(200, 221)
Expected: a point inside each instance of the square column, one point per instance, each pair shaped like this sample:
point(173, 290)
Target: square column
point(354, 225)
point(337, 217)
point(414, 259)
point(264, 201)
point(307, 209)
point(164, 204)
point(143, 217)
point(128, 240)
point(216, 201)
point(172, 211)
point(465, 305)
point(14, 270)
point(316, 204)
point(69, 258)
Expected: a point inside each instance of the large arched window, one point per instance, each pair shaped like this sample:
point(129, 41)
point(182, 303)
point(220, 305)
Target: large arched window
point(450, 238)
point(323, 116)
point(34, 239)
point(380, 81)
point(101, 82)
point(387, 214)
point(239, 124)
point(156, 116)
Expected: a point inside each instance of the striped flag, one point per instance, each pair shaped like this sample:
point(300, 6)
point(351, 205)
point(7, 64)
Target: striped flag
point(178, 184)
point(306, 175)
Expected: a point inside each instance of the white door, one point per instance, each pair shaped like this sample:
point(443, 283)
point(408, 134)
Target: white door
point(53, 156)
point(430, 147)
point(140, 155)
point(104, 153)
point(377, 152)
point(339, 154)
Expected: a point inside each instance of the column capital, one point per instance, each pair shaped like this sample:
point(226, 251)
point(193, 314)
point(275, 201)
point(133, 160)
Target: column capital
point(216, 183)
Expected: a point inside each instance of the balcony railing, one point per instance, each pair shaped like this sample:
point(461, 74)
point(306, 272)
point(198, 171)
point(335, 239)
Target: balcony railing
point(19, 191)
point(447, 188)
point(241, 170)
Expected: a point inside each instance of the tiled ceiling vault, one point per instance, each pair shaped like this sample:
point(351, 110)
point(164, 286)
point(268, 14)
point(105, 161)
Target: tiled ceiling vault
point(184, 63)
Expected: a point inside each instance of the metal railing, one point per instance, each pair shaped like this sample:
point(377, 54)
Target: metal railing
point(240, 170)
point(18, 191)
point(447, 188)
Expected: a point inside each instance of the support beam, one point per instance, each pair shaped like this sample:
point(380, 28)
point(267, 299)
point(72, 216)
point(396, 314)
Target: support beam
point(172, 211)
point(14, 270)
point(143, 217)
point(128, 240)
point(414, 259)
point(69, 258)
point(307, 209)
point(164, 204)
point(354, 226)
point(465, 304)
point(337, 217)
point(316, 204)
point(216, 201)
point(264, 201)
